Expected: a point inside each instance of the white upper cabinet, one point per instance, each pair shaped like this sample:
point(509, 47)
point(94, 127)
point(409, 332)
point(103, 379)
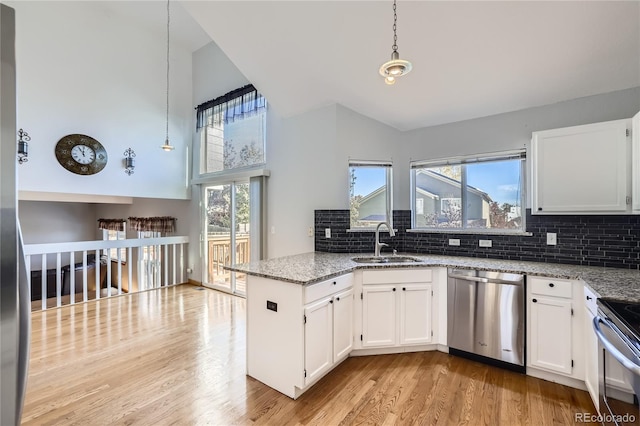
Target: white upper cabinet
point(582, 169)
point(635, 146)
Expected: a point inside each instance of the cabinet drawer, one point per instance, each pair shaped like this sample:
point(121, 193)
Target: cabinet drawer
point(555, 287)
point(395, 276)
point(325, 288)
point(590, 300)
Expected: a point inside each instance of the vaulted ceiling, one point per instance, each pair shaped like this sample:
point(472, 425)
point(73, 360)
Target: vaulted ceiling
point(470, 58)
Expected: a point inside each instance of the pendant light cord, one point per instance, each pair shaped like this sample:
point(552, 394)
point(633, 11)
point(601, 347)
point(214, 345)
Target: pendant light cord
point(395, 36)
point(167, 118)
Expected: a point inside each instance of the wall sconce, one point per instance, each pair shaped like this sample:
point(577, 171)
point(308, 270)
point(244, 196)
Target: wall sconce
point(23, 146)
point(129, 162)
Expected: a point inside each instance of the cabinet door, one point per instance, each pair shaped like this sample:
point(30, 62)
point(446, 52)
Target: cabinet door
point(591, 358)
point(342, 324)
point(379, 315)
point(415, 314)
point(635, 167)
point(581, 169)
point(550, 340)
point(318, 339)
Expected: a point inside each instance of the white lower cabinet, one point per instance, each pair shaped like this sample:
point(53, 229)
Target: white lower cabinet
point(554, 327)
point(296, 334)
point(342, 325)
point(396, 308)
point(328, 333)
point(415, 314)
point(318, 339)
point(550, 344)
point(379, 315)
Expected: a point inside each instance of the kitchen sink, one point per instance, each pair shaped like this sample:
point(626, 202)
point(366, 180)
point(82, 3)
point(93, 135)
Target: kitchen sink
point(385, 259)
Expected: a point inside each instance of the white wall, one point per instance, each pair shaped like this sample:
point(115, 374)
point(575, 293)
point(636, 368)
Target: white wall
point(214, 74)
point(308, 156)
point(362, 138)
point(83, 69)
point(302, 157)
point(506, 131)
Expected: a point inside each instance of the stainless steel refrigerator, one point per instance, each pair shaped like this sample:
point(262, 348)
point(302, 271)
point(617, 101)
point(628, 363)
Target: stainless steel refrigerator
point(14, 292)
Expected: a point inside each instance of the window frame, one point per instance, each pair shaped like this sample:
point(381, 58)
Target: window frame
point(388, 165)
point(520, 154)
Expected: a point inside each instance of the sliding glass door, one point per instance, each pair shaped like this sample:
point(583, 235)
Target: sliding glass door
point(227, 210)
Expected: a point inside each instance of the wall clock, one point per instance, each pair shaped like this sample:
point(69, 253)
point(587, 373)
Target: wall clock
point(81, 154)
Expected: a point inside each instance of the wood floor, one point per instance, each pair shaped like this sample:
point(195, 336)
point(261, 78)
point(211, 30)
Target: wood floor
point(177, 356)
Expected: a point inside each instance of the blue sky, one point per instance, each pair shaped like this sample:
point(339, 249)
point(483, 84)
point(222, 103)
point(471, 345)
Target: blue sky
point(368, 179)
point(499, 179)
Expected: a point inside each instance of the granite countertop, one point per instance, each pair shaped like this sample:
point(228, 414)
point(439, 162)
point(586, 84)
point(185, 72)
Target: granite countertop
point(309, 268)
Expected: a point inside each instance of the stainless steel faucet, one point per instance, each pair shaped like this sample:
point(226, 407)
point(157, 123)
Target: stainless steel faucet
point(379, 245)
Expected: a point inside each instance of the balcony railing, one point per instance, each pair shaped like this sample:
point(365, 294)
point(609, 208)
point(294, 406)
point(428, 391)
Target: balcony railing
point(219, 255)
point(67, 273)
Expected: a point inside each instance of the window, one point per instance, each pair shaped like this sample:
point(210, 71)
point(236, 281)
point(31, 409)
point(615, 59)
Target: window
point(469, 193)
point(233, 131)
point(370, 193)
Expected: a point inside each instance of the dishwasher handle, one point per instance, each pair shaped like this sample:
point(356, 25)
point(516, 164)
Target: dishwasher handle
point(610, 347)
point(483, 280)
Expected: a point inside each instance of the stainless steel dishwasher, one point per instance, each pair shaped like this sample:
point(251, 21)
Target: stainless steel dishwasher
point(485, 313)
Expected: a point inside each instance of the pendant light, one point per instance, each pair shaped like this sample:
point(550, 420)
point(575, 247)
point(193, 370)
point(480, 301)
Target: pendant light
point(396, 67)
point(167, 146)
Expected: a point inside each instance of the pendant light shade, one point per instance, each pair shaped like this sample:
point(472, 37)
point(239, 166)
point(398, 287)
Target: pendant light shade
point(396, 67)
point(167, 146)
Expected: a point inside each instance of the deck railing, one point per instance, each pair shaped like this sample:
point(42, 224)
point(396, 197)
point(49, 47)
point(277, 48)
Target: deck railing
point(67, 273)
point(219, 254)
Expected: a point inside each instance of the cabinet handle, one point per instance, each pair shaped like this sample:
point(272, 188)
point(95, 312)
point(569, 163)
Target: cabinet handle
point(552, 285)
point(404, 289)
point(539, 209)
point(338, 299)
point(535, 300)
point(330, 301)
point(589, 298)
point(394, 289)
point(334, 283)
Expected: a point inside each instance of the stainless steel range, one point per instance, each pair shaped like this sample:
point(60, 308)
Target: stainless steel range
point(617, 326)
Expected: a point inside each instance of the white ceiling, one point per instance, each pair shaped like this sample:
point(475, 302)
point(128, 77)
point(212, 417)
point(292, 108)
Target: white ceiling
point(470, 59)
point(152, 15)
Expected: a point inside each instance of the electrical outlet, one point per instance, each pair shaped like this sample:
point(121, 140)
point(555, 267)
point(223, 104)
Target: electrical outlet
point(310, 231)
point(552, 238)
point(327, 232)
point(454, 241)
point(484, 243)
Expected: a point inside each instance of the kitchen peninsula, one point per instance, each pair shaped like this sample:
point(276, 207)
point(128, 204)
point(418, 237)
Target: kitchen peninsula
point(307, 313)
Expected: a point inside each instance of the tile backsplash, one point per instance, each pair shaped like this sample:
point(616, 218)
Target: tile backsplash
point(588, 240)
